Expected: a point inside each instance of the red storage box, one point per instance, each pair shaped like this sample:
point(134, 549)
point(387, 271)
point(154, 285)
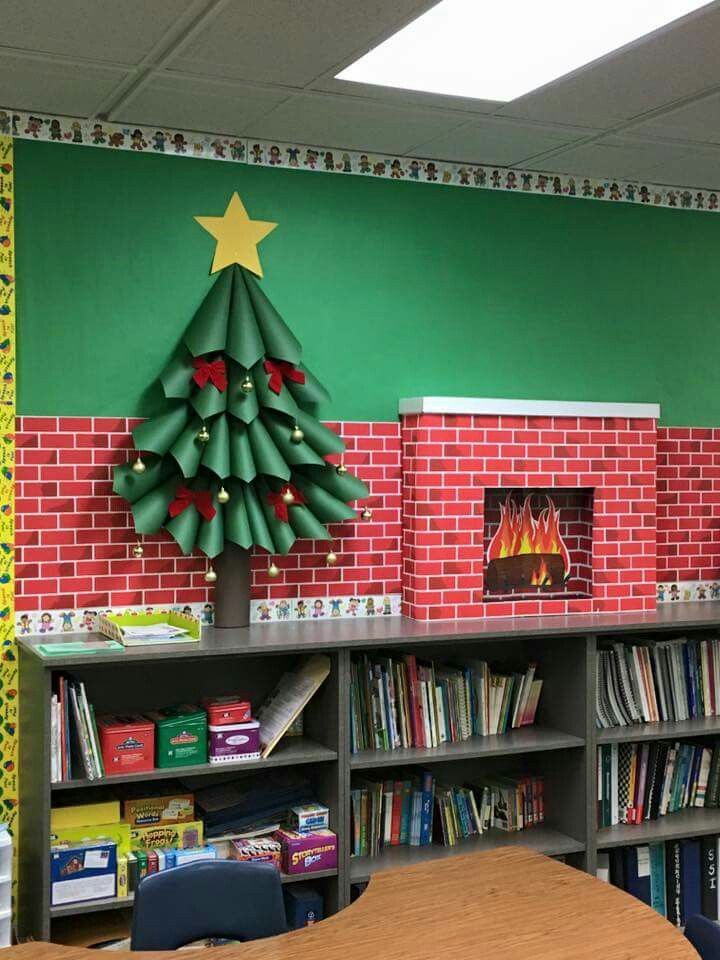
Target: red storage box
point(127, 744)
point(222, 711)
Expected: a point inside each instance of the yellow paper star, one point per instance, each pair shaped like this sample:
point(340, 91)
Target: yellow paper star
point(237, 237)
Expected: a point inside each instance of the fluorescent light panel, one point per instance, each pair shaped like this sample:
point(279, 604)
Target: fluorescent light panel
point(490, 50)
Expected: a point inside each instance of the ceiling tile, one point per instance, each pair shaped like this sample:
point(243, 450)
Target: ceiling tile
point(119, 30)
point(671, 64)
point(38, 85)
point(291, 42)
point(697, 121)
point(355, 124)
point(169, 100)
point(623, 159)
point(497, 141)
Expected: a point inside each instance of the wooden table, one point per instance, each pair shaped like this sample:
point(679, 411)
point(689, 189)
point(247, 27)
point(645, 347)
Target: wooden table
point(507, 904)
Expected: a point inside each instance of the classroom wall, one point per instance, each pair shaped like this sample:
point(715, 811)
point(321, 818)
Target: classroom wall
point(394, 289)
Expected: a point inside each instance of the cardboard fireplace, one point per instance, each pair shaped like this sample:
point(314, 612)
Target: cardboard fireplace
point(527, 507)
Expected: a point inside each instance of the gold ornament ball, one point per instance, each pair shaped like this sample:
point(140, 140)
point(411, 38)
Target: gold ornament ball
point(331, 559)
point(139, 465)
point(297, 436)
point(210, 576)
point(203, 435)
point(288, 497)
point(366, 514)
point(247, 386)
point(273, 571)
point(341, 469)
point(138, 550)
point(223, 495)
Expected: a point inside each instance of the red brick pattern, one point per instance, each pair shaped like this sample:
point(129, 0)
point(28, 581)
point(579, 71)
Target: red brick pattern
point(449, 460)
point(75, 538)
point(688, 503)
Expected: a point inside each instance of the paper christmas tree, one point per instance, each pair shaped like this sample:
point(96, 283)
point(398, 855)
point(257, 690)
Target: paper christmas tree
point(238, 455)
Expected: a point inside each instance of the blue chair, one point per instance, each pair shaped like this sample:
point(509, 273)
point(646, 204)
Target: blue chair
point(704, 935)
point(219, 898)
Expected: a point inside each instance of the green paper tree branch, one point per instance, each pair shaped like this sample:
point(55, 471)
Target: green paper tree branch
point(239, 439)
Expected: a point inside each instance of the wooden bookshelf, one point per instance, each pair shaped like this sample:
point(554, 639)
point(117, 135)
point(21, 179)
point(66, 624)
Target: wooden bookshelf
point(561, 747)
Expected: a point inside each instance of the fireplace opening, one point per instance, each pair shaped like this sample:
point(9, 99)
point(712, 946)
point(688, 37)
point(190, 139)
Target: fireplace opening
point(538, 542)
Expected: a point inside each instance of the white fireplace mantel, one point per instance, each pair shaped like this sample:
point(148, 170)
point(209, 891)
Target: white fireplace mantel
point(479, 406)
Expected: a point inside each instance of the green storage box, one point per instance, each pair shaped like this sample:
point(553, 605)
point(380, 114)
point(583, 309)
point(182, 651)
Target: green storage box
point(180, 735)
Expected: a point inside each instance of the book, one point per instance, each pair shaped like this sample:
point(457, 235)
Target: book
point(289, 698)
point(709, 869)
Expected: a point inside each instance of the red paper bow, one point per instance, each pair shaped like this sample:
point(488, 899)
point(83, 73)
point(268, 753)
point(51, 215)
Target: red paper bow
point(281, 508)
point(280, 370)
point(184, 497)
point(214, 372)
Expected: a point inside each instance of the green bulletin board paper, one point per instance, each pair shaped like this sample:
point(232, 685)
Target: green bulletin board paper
point(395, 289)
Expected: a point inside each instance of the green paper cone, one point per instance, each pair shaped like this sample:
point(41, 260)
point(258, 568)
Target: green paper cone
point(216, 455)
point(304, 524)
point(184, 527)
point(267, 457)
point(258, 524)
point(211, 536)
point(281, 532)
point(176, 378)
point(244, 406)
point(278, 340)
point(132, 486)
point(326, 507)
point(283, 401)
point(310, 392)
point(207, 332)
point(345, 487)
point(209, 401)
point(242, 464)
point(244, 341)
point(237, 524)
point(321, 439)
point(150, 512)
point(188, 450)
point(159, 434)
point(280, 430)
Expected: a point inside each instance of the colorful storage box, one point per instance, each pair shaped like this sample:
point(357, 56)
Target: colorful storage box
point(309, 817)
point(84, 872)
point(181, 735)
point(259, 850)
point(153, 811)
point(234, 741)
point(307, 852)
point(127, 744)
point(227, 710)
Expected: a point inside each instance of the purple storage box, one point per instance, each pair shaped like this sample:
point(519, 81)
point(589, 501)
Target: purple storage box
point(307, 852)
point(234, 741)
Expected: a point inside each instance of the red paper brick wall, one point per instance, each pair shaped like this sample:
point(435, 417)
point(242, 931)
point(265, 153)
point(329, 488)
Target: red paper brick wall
point(75, 539)
point(688, 511)
point(449, 460)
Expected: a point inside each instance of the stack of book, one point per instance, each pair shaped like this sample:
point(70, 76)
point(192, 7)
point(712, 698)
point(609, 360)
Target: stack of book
point(390, 813)
point(501, 803)
point(74, 738)
point(677, 878)
point(644, 781)
point(669, 680)
point(403, 702)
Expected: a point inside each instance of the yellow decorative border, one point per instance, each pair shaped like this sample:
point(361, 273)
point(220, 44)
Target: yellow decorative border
point(9, 761)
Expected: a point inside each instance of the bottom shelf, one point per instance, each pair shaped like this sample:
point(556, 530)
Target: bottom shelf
point(118, 903)
point(543, 839)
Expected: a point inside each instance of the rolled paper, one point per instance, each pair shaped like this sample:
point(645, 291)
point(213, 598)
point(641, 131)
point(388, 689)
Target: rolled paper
point(310, 392)
point(320, 438)
point(211, 535)
point(207, 332)
point(151, 510)
point(324, 505)
point(244, 340)
point(176, 377)
point(267, 457)
point(132, 486)
point(293, 453)
point(280, 400)
point(242, 405)
point(188, 449)
point(277, 339)
point(216, 455)
point(242, 464)
point(305, 524)
point(160, 433)
point(345, 486)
